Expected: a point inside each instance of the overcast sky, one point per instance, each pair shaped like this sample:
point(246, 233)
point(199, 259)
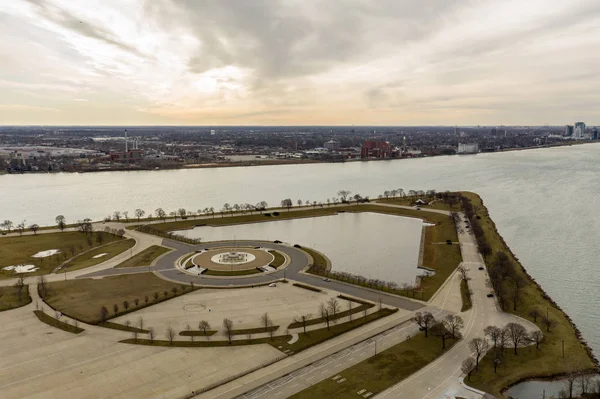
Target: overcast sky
point(290, 62)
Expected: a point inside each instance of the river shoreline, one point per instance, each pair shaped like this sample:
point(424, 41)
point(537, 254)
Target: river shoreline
point(276, 162)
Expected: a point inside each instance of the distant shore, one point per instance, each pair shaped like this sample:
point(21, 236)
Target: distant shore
point(271, 162)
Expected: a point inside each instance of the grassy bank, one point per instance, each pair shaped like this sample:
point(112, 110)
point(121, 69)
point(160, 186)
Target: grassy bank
point(9, 298)
point(379, 372)
point(87, 259)
point(146, 257)
point(529, 363)
point(82, 299)
point(17, 250)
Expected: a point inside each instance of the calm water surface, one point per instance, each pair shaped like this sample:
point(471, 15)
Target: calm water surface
point(545, 203)
point(351, 241)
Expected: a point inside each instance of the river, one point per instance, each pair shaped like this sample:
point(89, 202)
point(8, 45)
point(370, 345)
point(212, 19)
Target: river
point(545, 203)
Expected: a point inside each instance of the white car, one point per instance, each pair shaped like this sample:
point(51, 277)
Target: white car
point(272, 285)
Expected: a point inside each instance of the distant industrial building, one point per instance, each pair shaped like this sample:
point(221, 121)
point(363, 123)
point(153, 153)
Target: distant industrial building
point(468, 148)
point(332, 145)
point(376, 149)
point(126, 156)
point(569, 130)
point(579, 131)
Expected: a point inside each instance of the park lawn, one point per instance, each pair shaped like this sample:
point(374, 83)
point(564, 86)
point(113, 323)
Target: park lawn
point(146, 257)
point(82, 299)
point(409, 201)
point(210, 272)
point(10, 300)
point(380, 372)
point(87, 259)
point(279, 259)
point(465, 295)
point(529, 363)
point(319, 261)
point(17, 250)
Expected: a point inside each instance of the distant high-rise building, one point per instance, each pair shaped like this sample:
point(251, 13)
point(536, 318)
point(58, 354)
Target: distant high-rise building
point(568, 130)
point(595, 134)
point(212, 132)
point(579, 130)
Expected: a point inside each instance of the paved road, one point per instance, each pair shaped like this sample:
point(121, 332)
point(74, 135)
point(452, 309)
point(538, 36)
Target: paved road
point(335, 364)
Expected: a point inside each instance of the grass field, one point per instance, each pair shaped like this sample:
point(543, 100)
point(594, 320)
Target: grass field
point(10, 300)
point(465, 296)
point(279, 259)
point(231, 272)
point(51, 321)
point(87, 259)
point(146, 257)
point(17, 250)
point(381, 371)
point(82, 298)
point(529, 363)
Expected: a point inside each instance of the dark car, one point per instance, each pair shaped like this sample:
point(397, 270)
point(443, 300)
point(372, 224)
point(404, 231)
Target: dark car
point(480, 267)
point(490, 295)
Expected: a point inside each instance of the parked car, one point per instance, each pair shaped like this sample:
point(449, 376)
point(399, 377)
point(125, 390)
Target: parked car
point(272, 285)
point(480, 267)
point(326, 280)
point(490, 295)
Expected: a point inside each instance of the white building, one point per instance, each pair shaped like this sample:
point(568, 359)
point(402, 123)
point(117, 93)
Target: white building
point(579, 131)
point(332, 145)
point(468, 148)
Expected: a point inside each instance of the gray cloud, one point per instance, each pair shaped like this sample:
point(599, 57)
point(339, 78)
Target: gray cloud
point(69, 21)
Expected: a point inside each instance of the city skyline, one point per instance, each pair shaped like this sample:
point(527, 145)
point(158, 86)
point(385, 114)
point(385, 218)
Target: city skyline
point(298, 63)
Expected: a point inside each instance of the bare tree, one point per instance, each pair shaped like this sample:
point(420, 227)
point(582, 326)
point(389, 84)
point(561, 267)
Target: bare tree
point(139, 213)
point(503, 340)
point(424, 320)
point(534, 314)
point(117, 216)
point(170, 335)
point(19, 285)
point(536, 336)
point(324, 313)
point(479, 346)
point(103, 313)
point(517, 334)
point(116, 308)
point(161, 214)
point(286, 203)
point(517, 283)
point(464, 273)
point(204, 326)
point(7, 225)
point(188, 328)
point(584, 381)
point(467, 367)
point(135, 335)
point(495, 334)
point(21, 227)
point(454, 324)
point(151, 334)
point(350, 310)
point(141, 323)
point(34, 227)
point(61, 222)
point(344, 194)
point(334, 307)
point(266, 321)
point(228, 325)
point(303, 319)
point(126, 305)
point(439, 330)
point(549, 323)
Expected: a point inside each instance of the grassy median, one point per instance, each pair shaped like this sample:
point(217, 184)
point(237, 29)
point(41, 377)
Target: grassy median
point(278, 260)
point(529, 363)
point(89, 258)
point(146, 257)
point(379, 372)
point(82, 299)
